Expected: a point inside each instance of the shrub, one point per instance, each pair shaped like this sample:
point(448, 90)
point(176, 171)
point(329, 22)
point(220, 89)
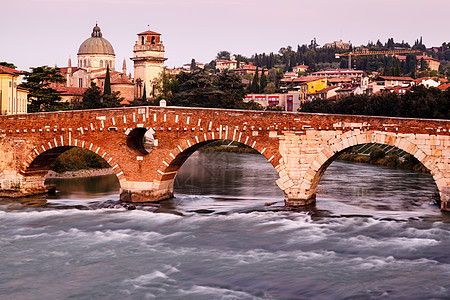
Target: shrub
point(376, 153)
point(78, 159)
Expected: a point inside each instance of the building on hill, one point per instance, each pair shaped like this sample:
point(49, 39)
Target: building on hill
point(222, 65)
point(314, 84)
point(249, 69)
point(426, 82)
point(432, 63)
point(187, 67)
point(336, 73)
point(299, 69)
point(338, 44)
point(326, 93)
point(13, 98)
point(287, 101)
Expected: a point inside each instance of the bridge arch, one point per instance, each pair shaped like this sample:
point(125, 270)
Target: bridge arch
point(338, 145)
point(42, 156)
point(169, 167)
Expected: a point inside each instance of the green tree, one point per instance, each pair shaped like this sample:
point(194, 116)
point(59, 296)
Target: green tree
point(262, 81)
point(193, 65)
point(144, 94)
point(112, 100)
point(92, 97)
point(201, 89)
point(223, 55)
point(7, 64)
point(165, 87)
point(254, 87)
point(42, 96)
point(270, 88)
point(107, 88)
point(376, 153)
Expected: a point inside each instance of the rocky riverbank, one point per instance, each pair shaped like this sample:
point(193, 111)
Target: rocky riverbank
point(80, 173)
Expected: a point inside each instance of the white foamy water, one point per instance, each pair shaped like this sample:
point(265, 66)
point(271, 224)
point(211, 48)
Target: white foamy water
point(225, 244)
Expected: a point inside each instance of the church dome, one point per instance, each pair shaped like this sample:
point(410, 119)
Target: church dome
point(96, 44)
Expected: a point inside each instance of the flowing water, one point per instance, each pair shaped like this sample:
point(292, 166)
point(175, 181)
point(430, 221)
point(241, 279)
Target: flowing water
point(372, 234)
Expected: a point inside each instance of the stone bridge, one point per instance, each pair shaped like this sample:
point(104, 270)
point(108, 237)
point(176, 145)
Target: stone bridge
point(146, 146)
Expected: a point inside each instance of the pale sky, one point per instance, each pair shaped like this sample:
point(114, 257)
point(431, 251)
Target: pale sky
point(48, 32)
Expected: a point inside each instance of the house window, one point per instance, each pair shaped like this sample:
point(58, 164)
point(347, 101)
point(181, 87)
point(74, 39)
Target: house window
point(290, 102)
point(274, 100)
point(80, 82)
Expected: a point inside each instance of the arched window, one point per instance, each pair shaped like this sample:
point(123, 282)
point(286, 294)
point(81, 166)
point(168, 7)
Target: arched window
point(142, 38)
point(153, 40)
point(85, 63)
point(101, 64)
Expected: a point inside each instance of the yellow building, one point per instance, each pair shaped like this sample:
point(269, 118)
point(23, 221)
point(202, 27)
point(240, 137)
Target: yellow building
point(314, 84)
point(13, 99)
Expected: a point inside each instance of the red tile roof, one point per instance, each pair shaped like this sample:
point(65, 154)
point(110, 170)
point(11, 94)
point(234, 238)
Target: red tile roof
point(396, 78)
point(327, 89)
point(149, 32)
point(70, 91)
point(6, 70)
point(121, 80)
point(302, 66)
point(340, 79)
point(444, 87)
point(104, 75)
point(65, 70)
point(307, 79)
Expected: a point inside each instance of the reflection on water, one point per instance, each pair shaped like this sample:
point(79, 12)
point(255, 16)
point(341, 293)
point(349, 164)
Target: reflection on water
point(371, 235)
point(221, 182)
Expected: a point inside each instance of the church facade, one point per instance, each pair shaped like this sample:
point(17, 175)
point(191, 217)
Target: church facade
point(96, 54)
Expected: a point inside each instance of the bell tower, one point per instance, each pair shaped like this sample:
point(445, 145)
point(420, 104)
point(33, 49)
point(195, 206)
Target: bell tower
point(148, 57)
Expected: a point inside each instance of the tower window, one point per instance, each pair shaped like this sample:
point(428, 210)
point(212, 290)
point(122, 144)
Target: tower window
point(101, 64)
point(85, 64)
point(142, 40)
point(153, 40)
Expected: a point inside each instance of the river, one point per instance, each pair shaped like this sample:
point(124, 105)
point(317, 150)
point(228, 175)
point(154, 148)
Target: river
point(372, 234)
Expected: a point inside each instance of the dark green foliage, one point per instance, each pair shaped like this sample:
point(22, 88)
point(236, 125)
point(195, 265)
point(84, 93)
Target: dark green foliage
point(376, 153)
point(193, 65)
point(201, 89)
point(7, 64)
point(92, 98)
point(393, 159)
point(78, 159)
point(262, 81)
point(223, 55)
point(42, 96)
point(254, 87)
point(419, 102)
point(112, 100)
point(107, 89)
point(144, 94)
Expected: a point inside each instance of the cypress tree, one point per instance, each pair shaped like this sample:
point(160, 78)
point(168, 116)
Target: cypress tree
point(107, 89)
point(255, 83)
point(262, 81)
point(144, 95)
